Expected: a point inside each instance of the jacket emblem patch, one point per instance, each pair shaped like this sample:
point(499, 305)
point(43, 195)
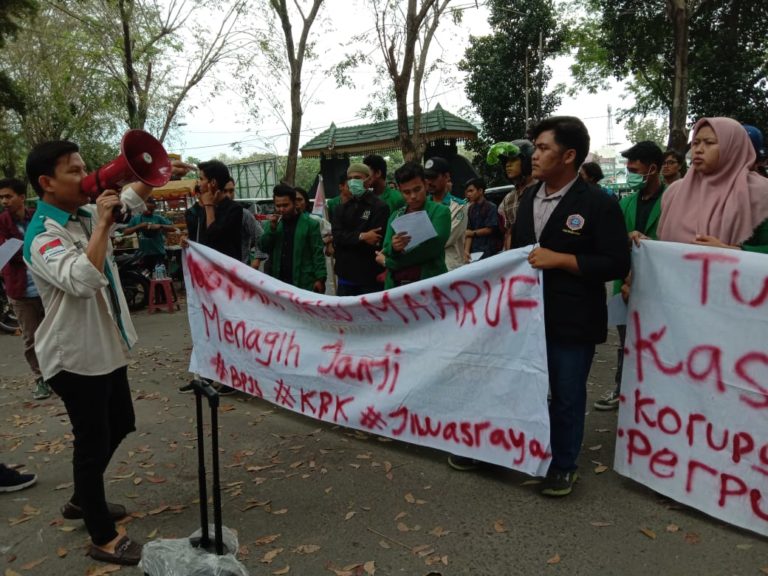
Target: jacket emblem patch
point(575, 222)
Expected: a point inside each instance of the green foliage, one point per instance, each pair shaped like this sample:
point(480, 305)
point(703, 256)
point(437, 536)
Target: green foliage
point(639, 129)
point(634, 39)
point(496, 71)
point(12, 14)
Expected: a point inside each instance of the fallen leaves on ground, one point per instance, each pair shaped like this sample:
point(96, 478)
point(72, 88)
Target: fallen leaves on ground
point(271, 555)
point(34, 563)
point(649, 533)
point(102, 570)
point(499, 527)
point(672, 528)
point(600, 469)
point(439, 531)
point(282, 570)
point(307, 549)
point(267, 539)
point(692, 538)
point(61, 552)
point(554, 560)
point(601, 524)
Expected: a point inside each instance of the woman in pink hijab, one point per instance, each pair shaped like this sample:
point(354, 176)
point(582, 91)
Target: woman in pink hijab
point(720, 201)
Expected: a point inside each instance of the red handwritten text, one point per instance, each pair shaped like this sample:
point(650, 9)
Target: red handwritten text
point(381, 372)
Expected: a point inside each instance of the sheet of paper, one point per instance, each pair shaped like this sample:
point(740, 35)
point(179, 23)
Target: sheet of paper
point(617, 311)
point(417, 225)
point(8, 249)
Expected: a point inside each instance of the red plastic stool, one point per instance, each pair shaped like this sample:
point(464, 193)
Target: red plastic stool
point(166, 286)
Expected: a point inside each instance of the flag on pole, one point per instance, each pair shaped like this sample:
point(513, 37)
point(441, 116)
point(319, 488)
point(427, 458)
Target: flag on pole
point(318, 209)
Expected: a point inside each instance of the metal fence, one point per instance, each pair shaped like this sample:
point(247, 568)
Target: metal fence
point(255, 179)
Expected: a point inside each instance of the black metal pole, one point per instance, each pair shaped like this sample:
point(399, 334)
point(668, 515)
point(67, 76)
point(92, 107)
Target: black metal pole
point(217, 522)
point(205, 540)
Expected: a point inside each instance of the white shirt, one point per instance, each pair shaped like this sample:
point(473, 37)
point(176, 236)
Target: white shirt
point(544, 204)
point(87, 327)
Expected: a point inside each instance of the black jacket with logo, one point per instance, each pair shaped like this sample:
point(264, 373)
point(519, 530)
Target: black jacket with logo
point(355, 259)
point(590, 225)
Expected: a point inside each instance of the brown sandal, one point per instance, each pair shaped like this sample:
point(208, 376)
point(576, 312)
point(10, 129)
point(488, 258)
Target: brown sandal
point(127, 552)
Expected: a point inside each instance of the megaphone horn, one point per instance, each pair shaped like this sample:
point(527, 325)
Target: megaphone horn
point(142, 157)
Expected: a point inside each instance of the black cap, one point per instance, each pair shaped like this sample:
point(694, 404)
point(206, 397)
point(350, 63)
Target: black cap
point(436, 166)
point(646, 151)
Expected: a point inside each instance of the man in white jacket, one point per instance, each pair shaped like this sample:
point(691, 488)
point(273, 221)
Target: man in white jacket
point(84, 339)
point(438, 176)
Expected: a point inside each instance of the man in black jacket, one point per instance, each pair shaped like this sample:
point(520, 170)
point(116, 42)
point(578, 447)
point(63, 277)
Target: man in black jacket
point(223, 216)
point(358, 229)
point(582, 244)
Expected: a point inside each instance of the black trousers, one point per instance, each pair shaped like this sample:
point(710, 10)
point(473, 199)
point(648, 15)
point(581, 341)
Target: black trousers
point(100, 410)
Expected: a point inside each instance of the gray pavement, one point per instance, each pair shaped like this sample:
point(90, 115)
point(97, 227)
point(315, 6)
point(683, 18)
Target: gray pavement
point(309, 498)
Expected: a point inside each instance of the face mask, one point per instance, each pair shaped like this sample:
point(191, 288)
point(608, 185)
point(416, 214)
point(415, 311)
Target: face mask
point(356, 187)
point(635, 181)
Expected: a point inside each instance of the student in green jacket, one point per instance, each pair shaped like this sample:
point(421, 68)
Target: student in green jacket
point(427, 259)
point(294, 243)
point(377, 181)
point(641, 209)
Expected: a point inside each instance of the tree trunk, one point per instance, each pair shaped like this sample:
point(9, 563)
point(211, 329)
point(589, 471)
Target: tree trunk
point(293, 144)
point(678, 132)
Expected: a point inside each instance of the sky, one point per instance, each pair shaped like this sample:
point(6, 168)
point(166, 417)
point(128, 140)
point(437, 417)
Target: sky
point(222, 120)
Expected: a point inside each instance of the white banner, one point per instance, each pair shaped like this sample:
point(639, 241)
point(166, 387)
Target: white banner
point(693, 420)
point(456, 362)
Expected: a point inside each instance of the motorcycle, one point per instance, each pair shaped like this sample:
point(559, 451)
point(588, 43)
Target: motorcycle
point(8, 321)
point(135, 280)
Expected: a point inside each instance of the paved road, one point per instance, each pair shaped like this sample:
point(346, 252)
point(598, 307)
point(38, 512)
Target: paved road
point(318, 499)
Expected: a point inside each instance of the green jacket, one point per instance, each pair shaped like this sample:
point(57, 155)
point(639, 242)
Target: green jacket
point(759, 240)
point(428, 256)
point(393, 199)
point(628, 206)
point(308, 258)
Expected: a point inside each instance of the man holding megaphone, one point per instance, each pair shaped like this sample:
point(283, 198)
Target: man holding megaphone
point(83, 342)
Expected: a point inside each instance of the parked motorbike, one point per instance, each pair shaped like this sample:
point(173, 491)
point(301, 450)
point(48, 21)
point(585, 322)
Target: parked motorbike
point(135, 280)
point(8, 321)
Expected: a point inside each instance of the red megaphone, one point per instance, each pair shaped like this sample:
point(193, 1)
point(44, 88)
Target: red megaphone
point(142, 157)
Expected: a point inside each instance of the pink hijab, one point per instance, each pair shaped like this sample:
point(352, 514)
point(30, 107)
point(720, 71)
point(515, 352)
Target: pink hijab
point(728, 203)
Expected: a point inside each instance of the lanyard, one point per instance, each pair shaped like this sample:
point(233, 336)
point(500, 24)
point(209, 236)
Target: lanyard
point(113, 299)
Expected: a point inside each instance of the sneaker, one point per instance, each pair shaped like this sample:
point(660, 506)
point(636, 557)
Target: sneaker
point(11, 480)
point(462, 463)
point(558, 483)
point(609, 402)
point(42, 390)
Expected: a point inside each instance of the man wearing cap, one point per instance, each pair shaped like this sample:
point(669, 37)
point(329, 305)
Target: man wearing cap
point(438, 175)
point(358, 228)
point(378, 182)
point(641, 209)
point(579, 242)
